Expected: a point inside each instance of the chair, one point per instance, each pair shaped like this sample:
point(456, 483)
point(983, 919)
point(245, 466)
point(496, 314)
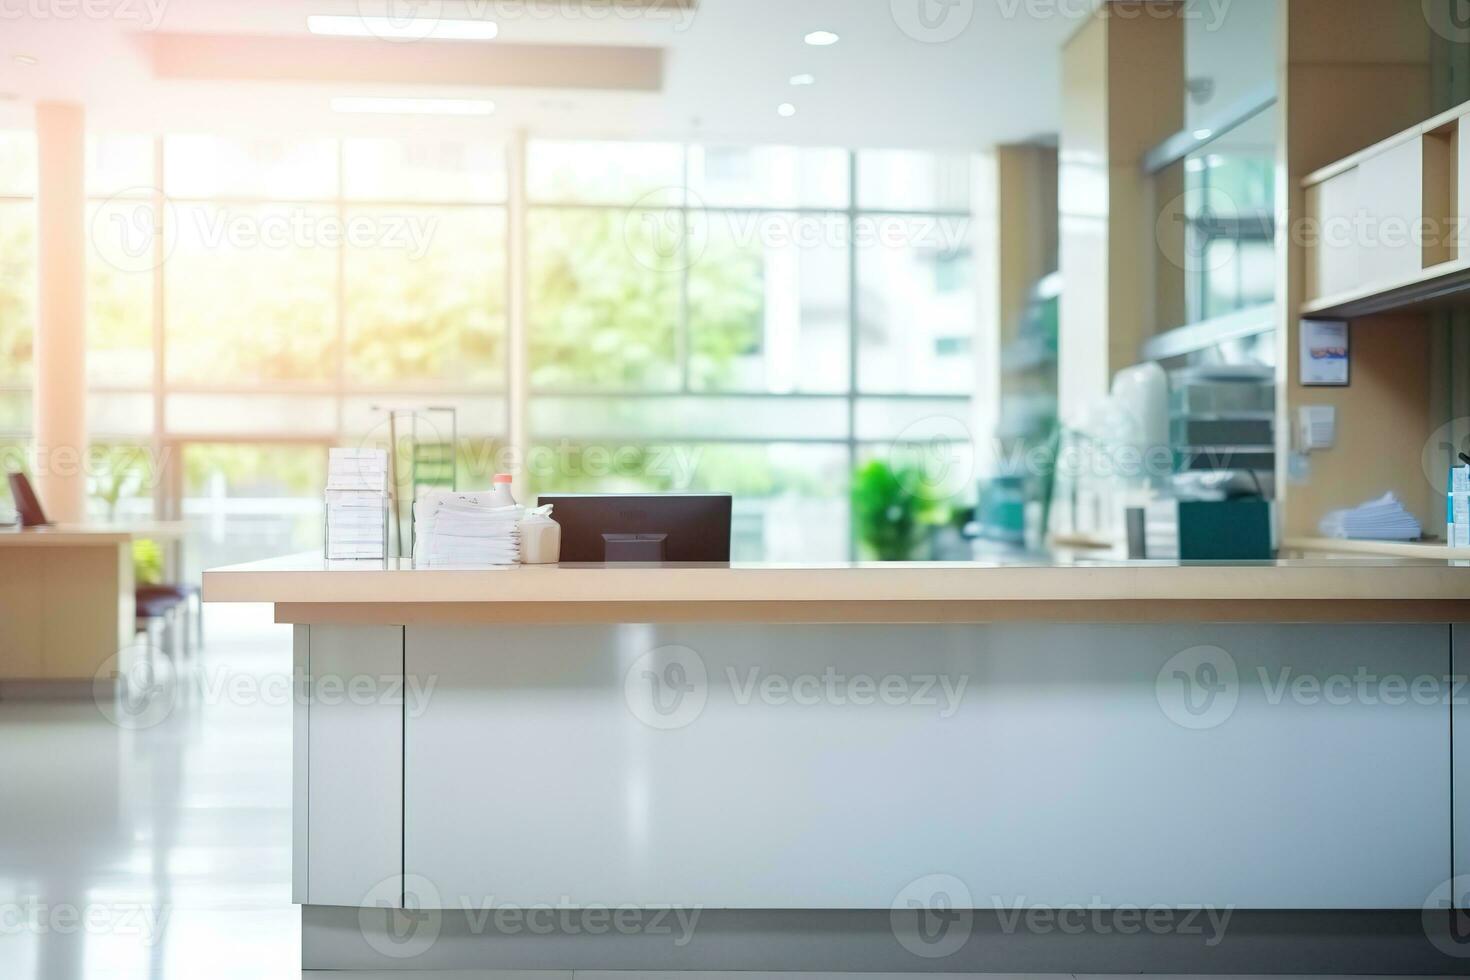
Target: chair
point(26, 502)
point(165, 606)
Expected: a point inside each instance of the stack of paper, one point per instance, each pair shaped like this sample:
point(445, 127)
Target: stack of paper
point(451, 528)
point(357, 469)
point(357, 502)
point(1384, 519)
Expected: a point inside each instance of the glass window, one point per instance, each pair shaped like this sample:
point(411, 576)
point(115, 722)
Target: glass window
point(200, 167)
point(17, 163)
point(120, 481)
point(604, 298)
point(120, 165)
point(249, 502)
point(908, 180)
point(424, 170)
point(768, 302)
point(251, 293)
point(916, 305)
point(17, 289)
point(604, 173)
point(767, 176)
point(425, 296)
point(120, 265)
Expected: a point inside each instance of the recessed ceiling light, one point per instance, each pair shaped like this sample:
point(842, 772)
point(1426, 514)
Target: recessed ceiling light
point(413, 107)
point(27, 59)
point(820, 39)
point(403, 28)
point(1203, 134)
point(786, 109)
point(803, 79)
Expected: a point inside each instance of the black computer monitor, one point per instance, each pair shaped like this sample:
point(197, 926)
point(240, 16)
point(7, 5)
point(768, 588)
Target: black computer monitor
point(629, 527)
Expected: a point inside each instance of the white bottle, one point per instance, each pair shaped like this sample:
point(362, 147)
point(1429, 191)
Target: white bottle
point(540, 538)
point(500, 495)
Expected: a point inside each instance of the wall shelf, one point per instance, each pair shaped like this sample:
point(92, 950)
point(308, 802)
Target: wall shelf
point(1435, 550)
point(1385, 224)
point(1446, 284)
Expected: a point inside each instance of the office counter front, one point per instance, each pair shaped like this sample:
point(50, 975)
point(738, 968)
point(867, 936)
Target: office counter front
point(879, 767)
point(66, 606)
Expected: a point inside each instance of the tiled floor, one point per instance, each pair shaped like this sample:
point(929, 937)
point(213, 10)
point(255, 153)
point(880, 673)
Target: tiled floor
point(161, 850)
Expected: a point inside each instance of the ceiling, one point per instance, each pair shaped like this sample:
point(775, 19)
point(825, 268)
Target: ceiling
point(726, 66)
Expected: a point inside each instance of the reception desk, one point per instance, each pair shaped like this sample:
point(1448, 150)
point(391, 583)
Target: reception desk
point(837, 767)
point(66, 605)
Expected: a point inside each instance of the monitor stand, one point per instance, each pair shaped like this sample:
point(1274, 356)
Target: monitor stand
point(633, 547)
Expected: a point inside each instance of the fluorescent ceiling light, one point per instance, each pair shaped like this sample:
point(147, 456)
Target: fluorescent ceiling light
point(803, 79)
point(821, 39)
point(786, 109)
point(413, 107)
point(27, 59)
point(403, 28)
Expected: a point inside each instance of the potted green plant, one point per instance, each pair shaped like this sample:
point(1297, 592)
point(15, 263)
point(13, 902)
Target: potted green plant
point(892, 521)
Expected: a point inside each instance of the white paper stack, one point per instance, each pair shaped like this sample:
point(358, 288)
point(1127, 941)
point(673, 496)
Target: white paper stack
point(1384, 519)
point(458, 528)
point(357, 502)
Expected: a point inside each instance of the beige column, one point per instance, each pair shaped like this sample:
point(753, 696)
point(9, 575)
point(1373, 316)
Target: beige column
point(60, 393)
point(1015, 247)
point(1122, 94)
point(1351, 72)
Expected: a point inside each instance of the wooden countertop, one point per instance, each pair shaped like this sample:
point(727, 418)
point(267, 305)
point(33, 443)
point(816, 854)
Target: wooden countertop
point(62, 536)
point(74, 535)
point(306, 588)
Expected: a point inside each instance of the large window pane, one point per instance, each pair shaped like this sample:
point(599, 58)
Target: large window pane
point(906, 180)
point(916, 307)
point(768, 176)
point(251, 293)
point(249, 502)
point(424, 170)
point(17, 289)
point(120, 266)
point(17, 163)
point(120, 165)
point(120, 481)
point(272, 168)
point(604, 173)
point(768, 302)
point(604, 300)
point(688, 417)
point(427, 303)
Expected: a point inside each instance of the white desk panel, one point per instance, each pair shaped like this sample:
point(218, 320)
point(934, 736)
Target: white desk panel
point(538, 772)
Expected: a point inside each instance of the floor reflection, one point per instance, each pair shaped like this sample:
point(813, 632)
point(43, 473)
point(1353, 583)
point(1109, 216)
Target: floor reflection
point(145, 843)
